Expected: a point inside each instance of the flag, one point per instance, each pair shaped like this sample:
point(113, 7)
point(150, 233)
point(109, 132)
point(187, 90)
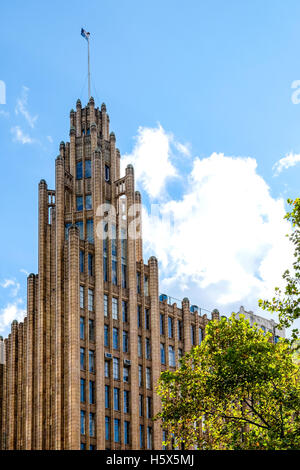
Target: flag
point(84, 34)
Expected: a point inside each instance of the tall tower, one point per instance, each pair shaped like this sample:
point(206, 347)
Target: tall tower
point(80, 372)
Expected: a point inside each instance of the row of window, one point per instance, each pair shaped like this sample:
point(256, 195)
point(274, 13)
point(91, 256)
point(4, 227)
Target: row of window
point(92, 424)
point(91, 360)
point(172, 360)
point(88, 170)
point(116, 370)
point(92, 394)
point(89, 230)
point(88, 202)
point(91, 327)
point(147, 347)
point(116, 399)
point(116, 339)
point(117, 429)
point(179, 329)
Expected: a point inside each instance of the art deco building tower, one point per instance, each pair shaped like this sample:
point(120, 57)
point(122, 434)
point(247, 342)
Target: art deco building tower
point(80, 372)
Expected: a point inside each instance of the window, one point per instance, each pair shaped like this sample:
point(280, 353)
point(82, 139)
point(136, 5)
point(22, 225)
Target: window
point(115, 308)
point(162, 353)
point(126, 432)
point(67, 226)
point(147, 319)
point(126, 401)
point(82, 422)
point(106, 369)
point(90, 264)
point(90, 230)
point(82, 446)
point(180, 353)
point(82, 390)
point(179, 328)
point(124, 311)
point(91, 331)
point(105, 300)
point(88, 169)
point(107, 396)
point(164, 439)
point(171, 356)
point(92, 362)
point(79, 170)
point(92, 392)
point(146, 288)
point(114, 276)
point(116, 368)
point(82, 358)
point(148, 407)
point(276, 339)
point(116, 430)
point(90, 300)
point(141, 436)
point(82, 335)
point(79, 203)
point(107, 173)
point(81, 261)
point(140, 375)
point(125, 374)
point(88, 202)
point(139, 346)
point(92, 447)
point(149, 437)
point(170, 327)
point(148, 348)
point(200, 335)
point(81, 297)
point(141, 405)
point(115, 338)
point(106, 336)
point(107, 425)
point(92, 425)
point(80, 227)
point(139, 316)
point(124, 276)
point(162, 324)
point(105, 271)
point(138, 282)
point(148, 378)
point(116, 399)
point(192, 335)
point(125, 341)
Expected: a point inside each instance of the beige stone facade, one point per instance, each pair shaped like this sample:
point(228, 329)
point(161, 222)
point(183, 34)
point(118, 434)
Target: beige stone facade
point(80, 371)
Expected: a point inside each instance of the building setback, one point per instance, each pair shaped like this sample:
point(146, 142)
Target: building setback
point(80, 371)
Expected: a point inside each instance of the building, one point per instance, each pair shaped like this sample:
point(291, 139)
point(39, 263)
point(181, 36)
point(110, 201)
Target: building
point(81, 369)
point(268, 326)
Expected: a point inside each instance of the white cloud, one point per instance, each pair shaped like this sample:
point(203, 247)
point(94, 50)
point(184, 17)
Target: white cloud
point(11, 284)
point(291, 159)
point(21, 108)
point(4, 113)
point(227, 243)
point(151, 158)
point(20, 136)
point(24, 272)
point(11, 312)
point(49, 138)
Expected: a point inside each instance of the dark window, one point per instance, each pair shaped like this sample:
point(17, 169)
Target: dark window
point(170, 327)
point(162, 353)
point(80, 226)
point(125, 341)
point(107, 396)
point(91, 330)
point(115, 338)
point(141, 405)
point(126, 432)
point(147, 319)
point(92, 392)
point(138, 282)
point(139, 316)
point(88, 202)
point(148, 348)
point(79, 170)
point(92, 425)
point(116, 399)
point(179, 325)
point(82, 335)
point(90, 230)
point(81, 261)
point(92, 362)
point(116, 430)
point(90, 264)
point(141, 436)
point(82, 422)
point(114, 277)
point(79, 203)
point(107, 173)
point(126, 401)
point(106, 338)
point(88, 169)
point(82, 359)
point(124, 311)
point(124, 276)
point(107, 424)
point(105, 272)
point(162, 324)
point(82, 390)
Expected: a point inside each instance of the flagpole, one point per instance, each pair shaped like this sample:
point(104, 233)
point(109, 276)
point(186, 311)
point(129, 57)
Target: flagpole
point(89, 69)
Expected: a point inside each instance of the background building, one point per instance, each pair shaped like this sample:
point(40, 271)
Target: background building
point(268, 326)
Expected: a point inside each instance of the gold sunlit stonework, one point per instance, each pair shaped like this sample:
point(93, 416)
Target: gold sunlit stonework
point(80, 371)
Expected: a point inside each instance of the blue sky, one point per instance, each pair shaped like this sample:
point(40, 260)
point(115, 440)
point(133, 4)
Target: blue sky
point(206, 86)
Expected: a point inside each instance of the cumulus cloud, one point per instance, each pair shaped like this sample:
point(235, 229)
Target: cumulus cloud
point(12, 285)
point(151, 158)
point(222, 240)
point(21, 107)
point(20, 136)
point(291, 159)
point(12, 311)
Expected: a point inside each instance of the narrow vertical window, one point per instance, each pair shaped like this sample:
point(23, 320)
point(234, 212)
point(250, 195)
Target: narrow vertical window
point(170, 327)
point(107, 396)
point(116, 399)
point(125, 374)
point(141, 405)
point(148, 378)
point(92, 361)
point(105, 300)
point(147, 319)
point(138, 282)
point(82, 358)
point(92, 392)
point(141, 436)
point(116, 368)
point(92, 424)
point(82, 422)
point(82, 390)
point(106, 369)
point(80, 226)
point(82, 333)
point(116, 430)
point(139, 316)
point(139, 346)
point(162, 354)
point(90, 230)
point(107, 425)
point(140, 375)
point(146, 286)
point(79, 170)
point(126, 432)
point(107, 173)
point(171, 356)
point(149, 438)
point(162, 324)
point(81, 297)
point(90, 264)
point(81, 261)
point(124, 311)
point(125, 341)
point(79, 203)
point(192, 335)
point(88, 169)
point(106, 337)
point(148, 348)
point(91, 331)
point(115, 338)
point(115, 308)
point(90, 300)
point(88, 202)
point(126, 401)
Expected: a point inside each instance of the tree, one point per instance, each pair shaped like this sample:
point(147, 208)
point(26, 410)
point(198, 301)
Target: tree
point(286, 302)
point(237, 390)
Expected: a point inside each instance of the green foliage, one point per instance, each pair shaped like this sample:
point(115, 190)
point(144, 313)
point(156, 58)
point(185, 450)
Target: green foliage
point(286, 302)
point(237, 390)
